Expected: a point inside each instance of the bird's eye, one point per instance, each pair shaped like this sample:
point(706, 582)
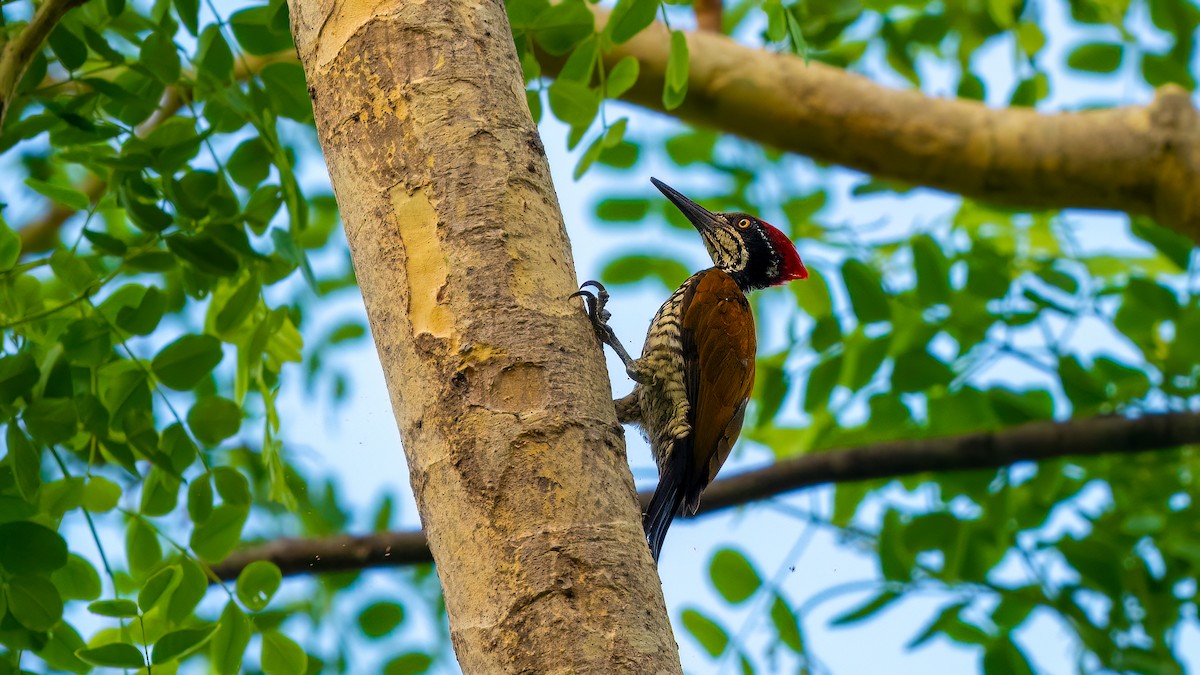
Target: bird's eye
point(744, 223)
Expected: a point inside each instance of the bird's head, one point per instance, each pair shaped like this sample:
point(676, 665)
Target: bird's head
point(754, 253)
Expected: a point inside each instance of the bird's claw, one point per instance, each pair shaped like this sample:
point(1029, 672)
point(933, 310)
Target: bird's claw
point(595, 309)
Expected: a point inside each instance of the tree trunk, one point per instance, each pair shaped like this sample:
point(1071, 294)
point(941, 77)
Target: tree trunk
point(498, 385)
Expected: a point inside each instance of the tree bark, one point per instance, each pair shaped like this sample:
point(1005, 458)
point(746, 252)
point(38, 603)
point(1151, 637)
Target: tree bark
point(498, 386)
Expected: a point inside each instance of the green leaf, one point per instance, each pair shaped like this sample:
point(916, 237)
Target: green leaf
point(1003, 656)
point(288, 91)
point(1083, 388)
point(143, 318)
point(26, 547)
point(60, 496)
point(623, 209)
point(630, 17)
point(181, 643)
point(865, 610)
point(787, 625)
point(589, 157)
point(77, 580)
point(66, 196)
point(675, 83)
point(1176, 247)
point(87, 342)
point(692, 147)
point(113, 655)
point(160, 493)
point(1031, 38)
point(117, 609)
point(733, 575)
point(67, 47)
point(18, 373)
point(581, 64)
point(622, 77)
point(895, 561)
point(411, 663)
point(106, 243)
point(205, 253)
point(1011, 611)
point(282, 656)
point(707, 632)
point(141, 548)
point(255, 30)
point(230, 640)
point(232, 486)
point(933, 270)
point(563, 25)
point(574, 103)
point(200, 499)
point(820, 383)
point(34, 602)
point(10, 247)
point(1031, 90)
point(193, 586)
point(865, 289)
point(101, 47)
point(257, 583)
point(633, 268)
point(183, 363)
point(189, 14)
point(380, 619)
point(216, 537)
point(160, 56)
point(51, 420)
point(214, 419)
point(159, 587)
point(26, 462)
point(918, 370)
point(1096, 57)
point(250, 163)
point(214, 60)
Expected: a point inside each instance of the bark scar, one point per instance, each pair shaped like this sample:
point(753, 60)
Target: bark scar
point(425, 263)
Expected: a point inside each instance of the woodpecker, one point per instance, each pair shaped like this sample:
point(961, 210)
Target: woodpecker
point(696, 371)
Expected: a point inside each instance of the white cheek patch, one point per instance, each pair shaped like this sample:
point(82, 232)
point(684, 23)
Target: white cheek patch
point(726, 249)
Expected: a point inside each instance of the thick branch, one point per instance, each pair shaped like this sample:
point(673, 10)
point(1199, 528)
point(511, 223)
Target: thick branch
point(988, 450)
point(1142, 160)
point(19, 52)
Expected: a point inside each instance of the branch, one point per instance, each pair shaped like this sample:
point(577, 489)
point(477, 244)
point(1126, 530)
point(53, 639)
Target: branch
point(19, 51)
point(1037, 441)
point(1142, 160)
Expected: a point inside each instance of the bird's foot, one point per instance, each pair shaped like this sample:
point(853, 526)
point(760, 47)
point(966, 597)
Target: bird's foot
point(599, 316)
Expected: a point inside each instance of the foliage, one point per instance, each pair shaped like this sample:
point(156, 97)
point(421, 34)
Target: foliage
point(143, 358)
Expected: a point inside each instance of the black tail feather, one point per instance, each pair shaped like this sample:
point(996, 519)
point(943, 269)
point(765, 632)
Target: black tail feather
point(667, 500)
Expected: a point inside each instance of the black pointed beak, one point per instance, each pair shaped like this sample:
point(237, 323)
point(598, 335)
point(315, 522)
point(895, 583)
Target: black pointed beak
point(700, 217)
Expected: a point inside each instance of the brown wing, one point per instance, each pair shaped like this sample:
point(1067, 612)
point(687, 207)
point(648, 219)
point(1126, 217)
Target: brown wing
point(718, 349)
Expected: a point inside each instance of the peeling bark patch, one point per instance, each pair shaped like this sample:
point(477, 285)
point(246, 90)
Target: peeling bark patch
point(424, 261)
point(518, 388)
